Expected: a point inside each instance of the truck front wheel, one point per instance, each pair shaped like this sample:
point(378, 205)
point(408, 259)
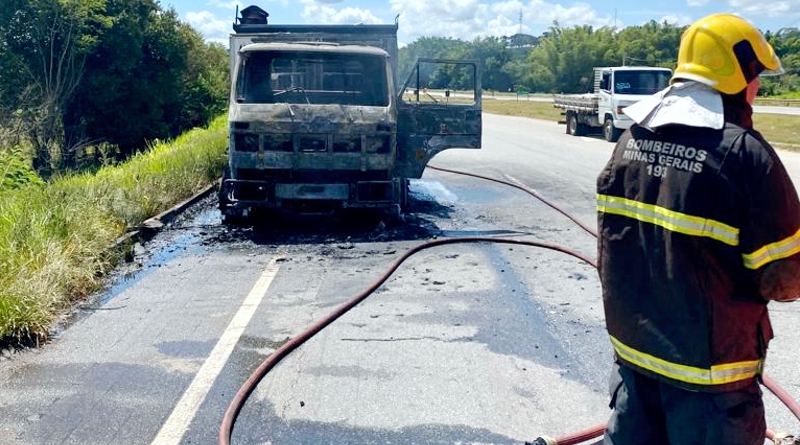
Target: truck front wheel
point(610, 132)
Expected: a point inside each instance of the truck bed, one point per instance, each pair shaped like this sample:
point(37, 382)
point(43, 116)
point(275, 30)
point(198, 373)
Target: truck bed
point(577, 102)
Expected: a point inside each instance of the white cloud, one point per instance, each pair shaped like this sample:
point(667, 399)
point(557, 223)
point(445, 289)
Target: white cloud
point(315, 13)
point(222, 4)
point(676, 19)
point(765, 14)
point(576, 15)
point(210, 26)
point(762, 8)
point(467, 19)
point(232, 4)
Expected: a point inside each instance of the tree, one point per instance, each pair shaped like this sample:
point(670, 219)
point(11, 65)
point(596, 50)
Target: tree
point(425, 47)
point(119, 72)
point(151, 77)
point(48, 41)
point(652, 44)
point(787, 46)
point(493, 54)
point(567, 55)
point(205, 82)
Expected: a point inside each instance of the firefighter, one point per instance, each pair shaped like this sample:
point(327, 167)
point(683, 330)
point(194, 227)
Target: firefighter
point(699, 229)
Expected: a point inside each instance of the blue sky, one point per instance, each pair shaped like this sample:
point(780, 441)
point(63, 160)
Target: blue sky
point(468, 19)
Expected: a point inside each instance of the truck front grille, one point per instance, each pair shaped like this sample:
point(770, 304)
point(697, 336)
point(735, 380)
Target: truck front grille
point(313, 143)
point(278, 142)
point(378, 144)
point(247, 142)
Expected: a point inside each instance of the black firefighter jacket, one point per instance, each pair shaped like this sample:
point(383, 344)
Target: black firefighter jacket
point(688, 217)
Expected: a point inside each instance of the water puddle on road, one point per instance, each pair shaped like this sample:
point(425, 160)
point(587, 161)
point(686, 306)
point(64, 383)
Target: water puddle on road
point(183, 237)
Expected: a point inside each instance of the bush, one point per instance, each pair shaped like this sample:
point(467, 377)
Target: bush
point(16, 171)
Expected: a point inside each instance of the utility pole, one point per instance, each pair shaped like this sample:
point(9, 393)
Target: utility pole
point(520, 21)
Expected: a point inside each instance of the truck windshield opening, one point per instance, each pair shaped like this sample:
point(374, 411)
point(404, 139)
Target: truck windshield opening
point(313, 78)
point(640, 82)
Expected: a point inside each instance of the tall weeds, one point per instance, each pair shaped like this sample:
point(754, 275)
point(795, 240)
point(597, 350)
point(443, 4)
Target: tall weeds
point(55, 238)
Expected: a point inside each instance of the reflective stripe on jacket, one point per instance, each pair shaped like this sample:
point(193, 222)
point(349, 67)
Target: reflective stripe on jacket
point(687, 219)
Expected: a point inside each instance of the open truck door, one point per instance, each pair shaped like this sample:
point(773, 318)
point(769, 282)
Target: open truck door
point(439, 107)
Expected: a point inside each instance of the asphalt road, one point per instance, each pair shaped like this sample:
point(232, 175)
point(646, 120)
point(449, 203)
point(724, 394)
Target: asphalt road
point(474, 343)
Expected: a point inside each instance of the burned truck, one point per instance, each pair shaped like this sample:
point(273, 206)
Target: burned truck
point(318, 120)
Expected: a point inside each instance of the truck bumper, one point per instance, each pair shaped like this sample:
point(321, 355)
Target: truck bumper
point(243, 194)
point(623, 123)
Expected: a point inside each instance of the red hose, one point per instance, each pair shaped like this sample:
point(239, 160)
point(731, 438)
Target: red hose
point(782, 395)
point(582, 436)
point(236, 404)
point(526, 190)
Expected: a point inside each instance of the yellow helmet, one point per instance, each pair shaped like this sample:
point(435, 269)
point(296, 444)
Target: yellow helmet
point(725, 52)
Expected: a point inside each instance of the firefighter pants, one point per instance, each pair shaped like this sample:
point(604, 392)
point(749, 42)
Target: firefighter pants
point(651, 412)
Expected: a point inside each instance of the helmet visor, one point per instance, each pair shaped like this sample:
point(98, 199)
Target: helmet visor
point(758, 60)
point(777, 71)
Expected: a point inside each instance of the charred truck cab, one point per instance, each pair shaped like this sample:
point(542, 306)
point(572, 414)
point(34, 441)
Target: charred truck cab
point(317, 121)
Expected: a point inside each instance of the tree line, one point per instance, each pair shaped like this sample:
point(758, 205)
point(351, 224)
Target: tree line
point(90, 81)
point(81, 79)
point(561, 59)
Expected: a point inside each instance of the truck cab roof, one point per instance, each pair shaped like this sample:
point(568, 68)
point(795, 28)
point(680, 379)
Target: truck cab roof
point(241, 28)
point(316, 47)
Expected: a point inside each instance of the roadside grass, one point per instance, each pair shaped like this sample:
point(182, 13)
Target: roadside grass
point(55, 239)
point(782, 131)
point(522, 107)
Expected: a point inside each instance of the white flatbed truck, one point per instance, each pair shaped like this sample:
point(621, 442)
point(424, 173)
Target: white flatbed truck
point(614, 89)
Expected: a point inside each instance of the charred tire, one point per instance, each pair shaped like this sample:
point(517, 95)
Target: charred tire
point(224, 201)
point(610, 132)
point(403, 201)
point(574, 127)
point(230, 215)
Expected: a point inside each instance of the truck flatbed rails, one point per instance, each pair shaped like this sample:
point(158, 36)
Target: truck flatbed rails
point(583, 102)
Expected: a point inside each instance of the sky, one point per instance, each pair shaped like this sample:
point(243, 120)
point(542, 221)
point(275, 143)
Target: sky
point(469, 19)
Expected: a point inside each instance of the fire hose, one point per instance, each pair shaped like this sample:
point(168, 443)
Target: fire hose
point(247, 388)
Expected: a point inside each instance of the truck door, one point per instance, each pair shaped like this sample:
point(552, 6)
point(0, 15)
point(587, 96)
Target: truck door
point(605, 101)
point(439, 107)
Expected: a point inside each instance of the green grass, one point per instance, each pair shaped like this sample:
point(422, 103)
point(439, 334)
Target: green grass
point(522, 107)
point(55, 239)
point(783, 131)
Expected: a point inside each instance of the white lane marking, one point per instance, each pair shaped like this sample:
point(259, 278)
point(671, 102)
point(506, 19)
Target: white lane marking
point(184, 412)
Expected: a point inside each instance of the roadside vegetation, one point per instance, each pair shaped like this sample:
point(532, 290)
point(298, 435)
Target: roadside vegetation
point(56, 239)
